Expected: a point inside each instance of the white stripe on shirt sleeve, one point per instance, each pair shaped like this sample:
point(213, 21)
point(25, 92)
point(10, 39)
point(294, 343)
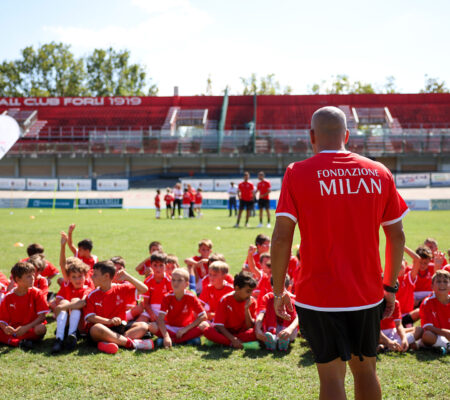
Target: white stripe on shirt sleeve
point(393, 221)
point(284, 214)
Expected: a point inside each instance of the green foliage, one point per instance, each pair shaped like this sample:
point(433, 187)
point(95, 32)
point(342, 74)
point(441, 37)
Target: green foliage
point(53, 70)
point(267, 85)
point(434, 85)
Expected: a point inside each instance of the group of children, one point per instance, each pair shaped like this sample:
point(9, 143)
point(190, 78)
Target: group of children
point(189, 200)
point(174, 305)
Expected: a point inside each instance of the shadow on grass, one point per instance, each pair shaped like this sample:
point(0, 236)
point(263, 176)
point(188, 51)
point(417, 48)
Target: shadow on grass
point(306, 359)
point(431, 355)
point(215, 352)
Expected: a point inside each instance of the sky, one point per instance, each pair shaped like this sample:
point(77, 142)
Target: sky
point(182, 42)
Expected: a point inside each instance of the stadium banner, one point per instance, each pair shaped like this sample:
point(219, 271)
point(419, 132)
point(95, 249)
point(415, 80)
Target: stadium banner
point(100, 203)
point(42, 184)
point(207, 185)
point(440, 204)
point(112, 184)
point(75, 184)
point(440, 179)
point(13, 203)
point(222, 185)
point(215, 204)
point(48, 203)
point(412, 180)
point(419, 205)
point(12, 184)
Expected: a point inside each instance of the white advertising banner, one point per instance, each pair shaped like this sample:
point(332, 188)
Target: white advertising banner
point(419, 205)
point(412, 180)
point(9, 134)
point(75, 184)
point(112, 184)
point(222, 185)
point(440, 179)
point(207, 185)
point(12, 184)
point(275, 183)
point(42, 184)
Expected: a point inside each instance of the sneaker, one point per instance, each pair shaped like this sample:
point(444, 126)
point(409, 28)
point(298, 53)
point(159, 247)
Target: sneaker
point(146, 344)
point(247, 225)
point(194, 342)
point(159, 343)
point(236, 226)
point(57, 346)
point(71, 341)
point(260, 226)
point(268, 225)
point(109, 348)
point(283, 344)
point(26, 345)
point(271, 342)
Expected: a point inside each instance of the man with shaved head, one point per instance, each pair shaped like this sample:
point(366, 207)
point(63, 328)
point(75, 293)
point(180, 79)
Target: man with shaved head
point(339, 200)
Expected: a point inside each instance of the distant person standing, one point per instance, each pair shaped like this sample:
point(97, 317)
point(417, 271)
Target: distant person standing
point(192, 191)
point(158, 203)
point(232, 194)
point(246, 192)
point(263, 188)
point(178, 197)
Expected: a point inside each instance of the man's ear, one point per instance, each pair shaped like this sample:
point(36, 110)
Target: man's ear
point(347, 135)
point(312, 137)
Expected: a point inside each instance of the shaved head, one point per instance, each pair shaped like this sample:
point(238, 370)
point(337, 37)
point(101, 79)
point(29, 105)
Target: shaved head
point(329, 127)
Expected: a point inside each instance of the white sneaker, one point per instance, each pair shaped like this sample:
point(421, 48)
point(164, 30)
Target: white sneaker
point(260, 226)
point(247, 225)
point(269, 226)
point(146, 344)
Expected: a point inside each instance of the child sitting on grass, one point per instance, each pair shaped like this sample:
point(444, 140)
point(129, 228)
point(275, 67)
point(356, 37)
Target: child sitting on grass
point(105, 311)
point(182, 317)
point(272, 330)
point(235, 316)
point(23, 310)
point(144, 267)
point(213, 257)
point(38, 262)
point(200, 262)
point(83, 252)
point(69, 302)
point(435, 313)
point(262, 245)
point(172, 263)
point(50, 270)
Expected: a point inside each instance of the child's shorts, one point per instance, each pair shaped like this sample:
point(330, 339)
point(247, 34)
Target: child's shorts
point(392, 334)
point(156, 308)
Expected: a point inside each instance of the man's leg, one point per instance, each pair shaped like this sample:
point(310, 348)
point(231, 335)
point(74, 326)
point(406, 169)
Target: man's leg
point(367, 385)
point(247, 216)
point(239, 216)
point(332, 380)
point(261, 215)
point(268, 214)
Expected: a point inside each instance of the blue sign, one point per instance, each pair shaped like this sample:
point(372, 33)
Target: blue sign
point(48, 203)
point(100, 203)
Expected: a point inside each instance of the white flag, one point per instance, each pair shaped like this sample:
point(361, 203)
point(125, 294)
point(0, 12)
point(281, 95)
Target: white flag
point(9, 134)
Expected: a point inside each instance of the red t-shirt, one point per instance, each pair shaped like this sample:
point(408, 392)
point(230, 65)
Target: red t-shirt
point(198, 198)
point(49, 270)
point(157, 201)
point(263, 287)
point(433, 312)
point(41, 283)
point(168, 198)
point(210, 296)
point(205, 280)
point(247, 189)
point(69, 292)
point(112, 303)
point(423, 281)
point(263, 187)
point(231, 313)
point(292, 267)
point(187, 198)
point(389, 323)
point(271, 320)
point(88, 260)
point(202, 272)
point(21, 310)
point(157, 290)
point(339, 199)
point(405, 294)
point(446, 268)
point(181, 312)
point(4, 282)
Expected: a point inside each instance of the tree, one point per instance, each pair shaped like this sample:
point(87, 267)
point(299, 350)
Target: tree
point(390, 86)
point(341, 84)
point(267, 85)
point(433, 85)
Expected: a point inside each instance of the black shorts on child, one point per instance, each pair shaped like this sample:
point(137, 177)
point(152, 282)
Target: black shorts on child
point(341, 334)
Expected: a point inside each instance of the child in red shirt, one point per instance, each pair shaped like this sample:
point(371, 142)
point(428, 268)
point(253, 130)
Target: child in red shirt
point(105, 311)
point(216, 289)
point(186, 202)
point(272, 330)
point(407, 279)
point(50, 270)
point(40, 282)
point(4, 283)
point(198, 199)
point(168, 198)
point(143, 267)
point(235, 316)
point(172, 263)
point(70, 299)
point(200, 263)
point(182, 317)
point(23, 310)
point(213, 258)
point(262, 245)
point(83, 252)
point(424, 275)
point(435, 313)
point(158, 203)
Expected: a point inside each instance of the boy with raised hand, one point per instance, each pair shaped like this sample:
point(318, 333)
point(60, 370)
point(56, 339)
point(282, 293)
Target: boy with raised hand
point(273, 331)
point(69, 302)
point(144, 267)
point(393, 336)
point(83, 252)
point(435, 313)
point(217, 288)
point(407, 279)
point(182, 318)
point(262, 245)
point(200, 262)
point(23, 310)
point(235, 316)
point(105, 311)
point(424, 274)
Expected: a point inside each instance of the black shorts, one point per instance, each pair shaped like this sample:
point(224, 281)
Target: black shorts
point(341, 333)
point(263, 203)
point(248, 205)
point(169, 206)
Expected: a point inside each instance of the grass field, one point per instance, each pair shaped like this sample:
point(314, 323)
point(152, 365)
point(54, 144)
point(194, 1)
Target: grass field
point(185, 372)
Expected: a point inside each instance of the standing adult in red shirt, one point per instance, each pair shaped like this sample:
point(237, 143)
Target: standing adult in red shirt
point(263, 187)
point(246, 191)
point(339, 200)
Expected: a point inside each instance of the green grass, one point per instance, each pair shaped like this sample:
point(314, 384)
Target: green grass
point(185, 372)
